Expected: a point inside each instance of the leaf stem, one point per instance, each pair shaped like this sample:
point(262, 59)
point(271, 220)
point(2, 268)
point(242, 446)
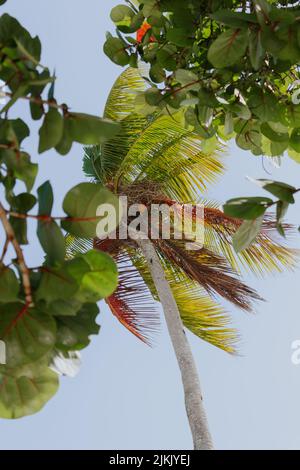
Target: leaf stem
point(49, 218)
point(40, 101)
point(4, 251)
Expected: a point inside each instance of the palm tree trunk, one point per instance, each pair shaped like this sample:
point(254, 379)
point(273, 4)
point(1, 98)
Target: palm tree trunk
point(192, 391)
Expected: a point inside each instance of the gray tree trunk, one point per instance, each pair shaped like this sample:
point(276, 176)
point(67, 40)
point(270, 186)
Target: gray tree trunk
point(191, 385)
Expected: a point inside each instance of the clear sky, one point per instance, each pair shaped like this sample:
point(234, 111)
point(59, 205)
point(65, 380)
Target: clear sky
point(128, 396)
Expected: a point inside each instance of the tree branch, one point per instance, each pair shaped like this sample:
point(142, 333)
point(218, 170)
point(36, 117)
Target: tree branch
point(10, 234)
point(4, 251)
point(37, 100)
point(48, 218)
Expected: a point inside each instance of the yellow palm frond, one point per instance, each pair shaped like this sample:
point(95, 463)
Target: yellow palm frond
point(204, 317)
point(76, 245)
point(200, 314)
point(265, 255)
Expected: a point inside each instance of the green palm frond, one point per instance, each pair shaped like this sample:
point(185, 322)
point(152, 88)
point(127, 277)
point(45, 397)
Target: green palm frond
point(113, 152)
point(121, 100)
point(167, 153)
point(120, 106)
point(91, 169)
point(157, 148)
point(104, 161)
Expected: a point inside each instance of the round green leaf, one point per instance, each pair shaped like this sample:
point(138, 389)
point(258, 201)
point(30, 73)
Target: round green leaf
point(46, 198)
point(9, 285)
point(90, 130)
point(23, 202)
point(247, 207)
point(37, 110)
point(283, 191)
point(247, 234)
point(82, 202)
point(65, 307)
point(166, 57)
point(73, 332)
point(180, 37)
point(122, 15)
point(22, 167)
point(51, 130)
point(25, 390)
point(114, 48)
point(256, 50)
point(101, 281)
point(157, 73)
point(27, 333)
point(51, 240)
point(228, 48)
point(61, 283)
point(295, 140)
point(263, 105)
point(65, 144)
point(153, 96)
point(273, 135)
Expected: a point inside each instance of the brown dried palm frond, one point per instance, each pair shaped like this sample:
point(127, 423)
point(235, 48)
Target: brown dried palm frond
point(210, 270)
point(132, 302)
point(268, 253)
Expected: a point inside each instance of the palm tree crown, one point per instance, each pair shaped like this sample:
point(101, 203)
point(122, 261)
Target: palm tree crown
point(156, 159)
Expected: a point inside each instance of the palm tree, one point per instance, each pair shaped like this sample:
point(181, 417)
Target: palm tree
point(156, 159)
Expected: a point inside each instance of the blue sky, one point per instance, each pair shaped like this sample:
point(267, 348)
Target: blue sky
point(128, 396)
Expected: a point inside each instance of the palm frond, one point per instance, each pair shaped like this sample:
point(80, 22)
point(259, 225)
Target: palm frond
point(121, 100)
point(76, 245)
point(104, 161)
point(167, 153)
point(90, 156)
point(265, 255)
point(204, 317)
point(200, 314)
point(209, 270)
point(114, 151)
point(132, 303)
point(150, 147)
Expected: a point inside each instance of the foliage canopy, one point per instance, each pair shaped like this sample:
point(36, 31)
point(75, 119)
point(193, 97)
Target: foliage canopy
point(47, 311)
point(230, 66)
